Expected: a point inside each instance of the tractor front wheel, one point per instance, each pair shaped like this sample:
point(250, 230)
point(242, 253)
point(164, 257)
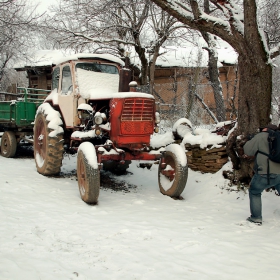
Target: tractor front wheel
point(88, 173)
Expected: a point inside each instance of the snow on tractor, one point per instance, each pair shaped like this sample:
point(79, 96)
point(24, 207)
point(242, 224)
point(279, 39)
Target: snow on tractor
point(94, 110)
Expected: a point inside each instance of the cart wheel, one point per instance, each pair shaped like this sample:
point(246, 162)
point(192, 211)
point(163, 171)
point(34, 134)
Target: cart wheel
point(173, 171)
point(48, 140)
point(88, 173)
point(116, 167)
point(8, 144)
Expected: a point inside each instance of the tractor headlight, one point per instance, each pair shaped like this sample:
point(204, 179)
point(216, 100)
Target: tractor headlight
point(98, 118)
point(97, 132)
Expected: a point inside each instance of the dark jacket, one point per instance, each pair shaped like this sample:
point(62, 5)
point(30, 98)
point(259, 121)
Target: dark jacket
point(260, 143)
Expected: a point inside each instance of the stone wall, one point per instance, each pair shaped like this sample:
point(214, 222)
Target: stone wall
point(208, 160)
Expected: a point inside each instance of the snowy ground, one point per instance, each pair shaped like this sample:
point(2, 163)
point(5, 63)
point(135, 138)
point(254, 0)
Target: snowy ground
point(48, 232)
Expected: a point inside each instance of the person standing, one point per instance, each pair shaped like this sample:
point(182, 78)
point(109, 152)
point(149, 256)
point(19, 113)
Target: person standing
point(262, 179)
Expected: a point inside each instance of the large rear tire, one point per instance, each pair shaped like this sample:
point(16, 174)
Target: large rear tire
point(173, 178)
point(88, 173)
point(48, 140)
point(8, 144)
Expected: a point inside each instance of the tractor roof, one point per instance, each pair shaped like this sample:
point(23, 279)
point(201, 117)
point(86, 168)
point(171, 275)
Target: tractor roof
point(105, 57)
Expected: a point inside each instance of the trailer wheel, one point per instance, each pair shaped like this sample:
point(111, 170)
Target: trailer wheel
point(48, 140)
point(88, 173)
point(173, 175)
point(116, 167)
point(8, 144)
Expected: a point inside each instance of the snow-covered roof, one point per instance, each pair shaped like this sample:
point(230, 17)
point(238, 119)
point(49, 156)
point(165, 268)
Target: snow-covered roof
point(40, 58)
point(191, 56)
point(43, 58)
point(171, 56)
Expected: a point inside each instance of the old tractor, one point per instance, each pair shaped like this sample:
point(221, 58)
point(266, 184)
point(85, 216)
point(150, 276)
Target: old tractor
point(95, 111)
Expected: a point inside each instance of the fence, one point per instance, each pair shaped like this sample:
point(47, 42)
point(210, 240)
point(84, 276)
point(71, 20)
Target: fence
point(193, 101)
point(25, 94)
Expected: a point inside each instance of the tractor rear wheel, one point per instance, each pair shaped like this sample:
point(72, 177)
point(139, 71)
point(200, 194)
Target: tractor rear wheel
point(8, 144)
point(88, 173)
point(173, 171)
point(48, 140)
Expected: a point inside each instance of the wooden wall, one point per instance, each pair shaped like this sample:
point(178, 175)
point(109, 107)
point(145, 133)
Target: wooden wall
point(174, 83)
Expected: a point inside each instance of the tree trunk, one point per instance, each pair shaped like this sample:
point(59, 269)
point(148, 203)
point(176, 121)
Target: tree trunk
point(213, 70)
point(253, 107)
point(144, 65)
point(152, 68)
point(255, 87)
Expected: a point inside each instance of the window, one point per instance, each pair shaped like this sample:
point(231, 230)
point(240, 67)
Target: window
point(66, 86)
point(96, 67)
point(55, 78)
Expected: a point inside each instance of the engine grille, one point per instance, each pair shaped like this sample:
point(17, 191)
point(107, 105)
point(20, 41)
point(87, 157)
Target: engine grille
point(137, 116)
point(138, 110)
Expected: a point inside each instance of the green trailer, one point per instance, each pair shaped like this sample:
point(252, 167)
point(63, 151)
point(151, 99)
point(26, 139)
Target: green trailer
point(17, 114)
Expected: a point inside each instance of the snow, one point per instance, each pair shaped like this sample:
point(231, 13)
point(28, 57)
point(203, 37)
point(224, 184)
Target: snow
point(204, 138)
point(83, 134)
point(48, 232)
point(40, 58)
point(216, 21)
point(192, 56)
point(188, 55)
point(179, 151)
point(40, 161)
point(95, 85)
point(53, 118)
point(221, 124)
point(133, 84)
point(53, 96)
point(54, 57)
point(89, 151)
point(182, 127)
point(85, 107)
point(161, 140)
point(199, 136)
point(91, 83)
point(77, 56)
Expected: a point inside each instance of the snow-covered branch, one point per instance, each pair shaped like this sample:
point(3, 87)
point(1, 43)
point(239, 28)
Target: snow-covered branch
point(103, 41)
point(206, 108)
point(229, 26)
point(275, 51)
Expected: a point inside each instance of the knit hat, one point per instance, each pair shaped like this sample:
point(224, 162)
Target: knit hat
point(271, 126)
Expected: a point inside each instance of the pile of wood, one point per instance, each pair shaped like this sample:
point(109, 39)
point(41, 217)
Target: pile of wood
point(208, 160)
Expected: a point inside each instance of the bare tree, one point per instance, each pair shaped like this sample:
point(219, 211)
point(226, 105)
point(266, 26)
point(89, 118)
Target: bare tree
point(117, 26)
point(276, 93)
point(238, 27)
point(269, 17)
point(16, 22)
